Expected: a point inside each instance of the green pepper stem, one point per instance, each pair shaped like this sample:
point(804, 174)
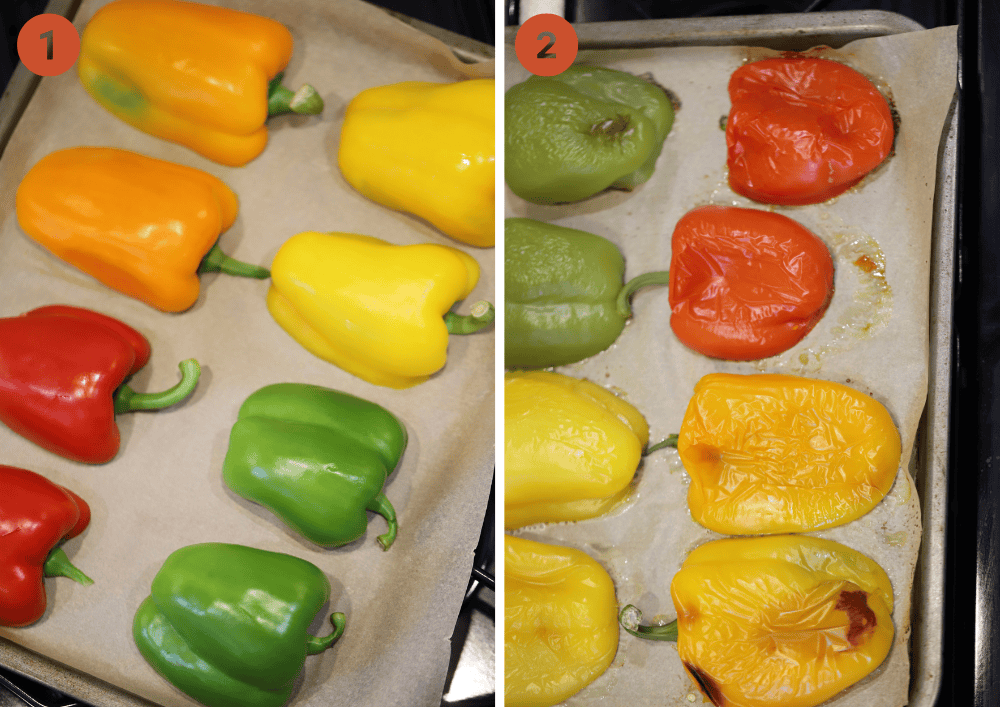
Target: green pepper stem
point(57, 564)
point(127, 400)
point(624, 302)
point(217, 261)
point(479, 318)
point(670, 441)
point(629, 618)
point(305, 101)
point(318, 644)
point(380, 504)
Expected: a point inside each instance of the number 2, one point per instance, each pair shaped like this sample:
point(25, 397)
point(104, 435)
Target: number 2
point(544, 53)
point(48, 44)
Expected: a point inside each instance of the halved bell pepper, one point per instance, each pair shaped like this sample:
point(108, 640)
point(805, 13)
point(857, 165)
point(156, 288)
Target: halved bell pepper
point(379, 311)
point(317, 458)
point(141, 226)
point(202, 76)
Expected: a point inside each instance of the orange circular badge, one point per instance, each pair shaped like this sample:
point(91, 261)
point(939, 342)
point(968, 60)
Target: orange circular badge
point(546, 44)
point(48, 44)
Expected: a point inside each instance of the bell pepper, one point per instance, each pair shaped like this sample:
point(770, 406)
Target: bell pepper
point(202, 76)
point(560, 621)
point(377, 310)
point(784, 621)
point(587, 129)
point(141, 226)
point(62, 380)
point(317, 458)
point(36, 515)
point(776, 454)
point(227, 624)
point(802, 130)
point(427, 149)
point(571, 448)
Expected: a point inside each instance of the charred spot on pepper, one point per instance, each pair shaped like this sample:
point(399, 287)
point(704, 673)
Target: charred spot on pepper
point(862, 619)
point(707, 684)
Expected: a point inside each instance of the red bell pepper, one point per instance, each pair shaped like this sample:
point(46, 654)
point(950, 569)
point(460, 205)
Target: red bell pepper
point(35, 516)
point(62, 374)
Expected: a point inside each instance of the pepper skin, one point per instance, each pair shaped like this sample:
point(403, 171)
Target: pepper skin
point(227, 624)
point(570, 136)
point(141, 226)
point(803, 130)
point(746, 284)
point(561, 631)
point(204, 77)
point(785, 621)
point(377, 310)
point(571, 448)
point(317, 458)
point(62, 373)
point(35, 516)
point(777, 454)
point(427, 149)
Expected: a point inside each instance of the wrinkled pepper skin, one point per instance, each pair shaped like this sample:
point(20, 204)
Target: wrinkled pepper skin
point(227, 624)
point(776, 454)
point(426, 149)
point(571, 448)
point(36, 515)
point(141, 226)
point(317, 458)
point(62, 375)
point(568, 137)
point(560, 620)
point(377, 310)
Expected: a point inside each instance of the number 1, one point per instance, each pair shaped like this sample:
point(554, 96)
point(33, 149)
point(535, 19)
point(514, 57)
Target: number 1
point(48, 43)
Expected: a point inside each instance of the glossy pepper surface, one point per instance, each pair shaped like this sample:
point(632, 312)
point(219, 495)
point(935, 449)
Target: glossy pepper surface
point(785, 621)
point(427, 149)
point(62, 380)
point(560, 620)
point(776, 454)
point(36, 515)
point(141, 226)
point(571, 448)
point(379, 311)
point(317, 458)
point(202, 76)
point(228, 624)
point(587, 129)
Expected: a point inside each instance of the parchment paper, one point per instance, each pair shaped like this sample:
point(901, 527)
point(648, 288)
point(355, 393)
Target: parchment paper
point(874, 337)
point(164, 490)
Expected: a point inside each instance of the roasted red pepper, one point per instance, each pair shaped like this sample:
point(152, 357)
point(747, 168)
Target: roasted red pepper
point(35, 516)
point(62, 374)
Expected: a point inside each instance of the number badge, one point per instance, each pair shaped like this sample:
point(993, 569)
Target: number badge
point(48, 44)
point(546, 44)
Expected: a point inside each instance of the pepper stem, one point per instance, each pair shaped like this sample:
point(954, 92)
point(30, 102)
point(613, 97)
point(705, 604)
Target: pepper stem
point(629, 618)
point(380, 504)
point(318, 644)
point(479, 318)
point(217, 261)
point(305, 101)
point(127, 400)
point(57, 564)
point(670, 441)
point(624, 302)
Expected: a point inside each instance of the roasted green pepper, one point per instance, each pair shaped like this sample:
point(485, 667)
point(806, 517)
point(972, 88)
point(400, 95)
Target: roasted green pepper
point(317, 458)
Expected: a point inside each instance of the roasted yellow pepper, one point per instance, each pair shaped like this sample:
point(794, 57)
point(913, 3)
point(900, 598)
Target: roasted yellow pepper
point(427, 149)
point(571, 448)
point(560, 627)
point(784, 621)
point(377, 310)
point(202, 76)
point(777, 454)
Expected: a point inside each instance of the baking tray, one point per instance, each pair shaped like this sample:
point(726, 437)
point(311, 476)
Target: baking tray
point(799, 32)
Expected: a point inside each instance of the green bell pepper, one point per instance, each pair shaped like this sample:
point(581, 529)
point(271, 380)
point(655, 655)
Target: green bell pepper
point(570, 136)
point(227, 624)
point(317, 458)
point(563, 295)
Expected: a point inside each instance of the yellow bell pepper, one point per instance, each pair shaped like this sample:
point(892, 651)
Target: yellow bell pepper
point(203, 76)
point(427, 149)
point(560, 625)
point(777, 454)
point(784, 621)
point(377, 310)
point(571, 448)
